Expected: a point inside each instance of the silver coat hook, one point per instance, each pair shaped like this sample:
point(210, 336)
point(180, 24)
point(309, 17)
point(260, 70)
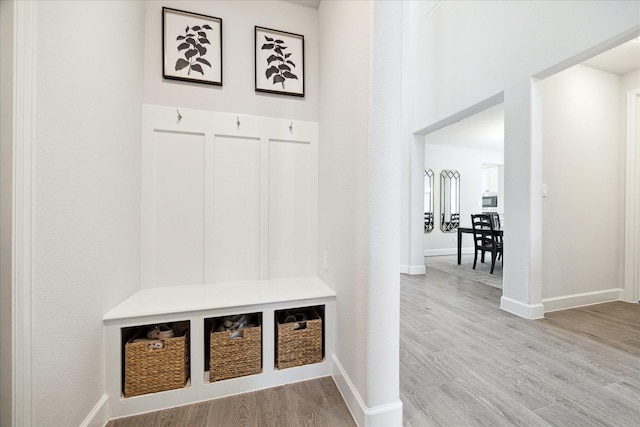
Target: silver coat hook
point(179, 117)
point(291, 128)
point(238, 122)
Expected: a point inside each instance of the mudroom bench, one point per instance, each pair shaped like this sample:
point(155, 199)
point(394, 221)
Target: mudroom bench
point(200, 308)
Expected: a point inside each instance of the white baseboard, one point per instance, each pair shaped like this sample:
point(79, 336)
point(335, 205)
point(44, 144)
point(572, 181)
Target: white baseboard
point(528, 311)
point(412, 269)
point(579, 300)
point(388, 415)
point(446, 251)
point(99, 415)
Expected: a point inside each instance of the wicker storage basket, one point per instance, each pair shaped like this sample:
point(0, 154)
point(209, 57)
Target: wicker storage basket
point(301, 346)
point(149, 370)
point(235, 357)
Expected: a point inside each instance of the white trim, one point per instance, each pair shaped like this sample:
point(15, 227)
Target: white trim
point(23, 151)
point(447, 251)
point(528, 311)
point(99, 415)
point(631, 273)
point(412, 269)
point(387, 415)
point(579, 300)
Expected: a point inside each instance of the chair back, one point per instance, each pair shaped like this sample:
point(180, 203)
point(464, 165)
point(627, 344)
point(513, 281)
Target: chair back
point(483, 236)
point(495, 220)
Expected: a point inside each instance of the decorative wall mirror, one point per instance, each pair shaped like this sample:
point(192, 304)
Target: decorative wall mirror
point(428, 201)
point(449, 201)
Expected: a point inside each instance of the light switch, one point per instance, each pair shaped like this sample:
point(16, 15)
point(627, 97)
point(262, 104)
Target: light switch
point(544, 190)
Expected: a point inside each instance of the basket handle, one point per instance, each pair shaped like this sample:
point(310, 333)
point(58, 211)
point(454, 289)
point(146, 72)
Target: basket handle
point(155, 345)
point(299, 325)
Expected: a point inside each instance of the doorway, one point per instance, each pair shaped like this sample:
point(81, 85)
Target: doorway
point(473, 148)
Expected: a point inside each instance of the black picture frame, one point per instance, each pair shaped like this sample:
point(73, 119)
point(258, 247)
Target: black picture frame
point(191, 47)
point(279, 62)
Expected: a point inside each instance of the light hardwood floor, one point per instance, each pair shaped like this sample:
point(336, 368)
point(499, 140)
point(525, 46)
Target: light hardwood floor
point(464, 362)
point(309, 403)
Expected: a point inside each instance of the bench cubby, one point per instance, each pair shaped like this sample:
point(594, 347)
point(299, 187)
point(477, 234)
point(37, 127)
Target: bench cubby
point(200, 305)
point(233, 347)
point(299, 336)
point(154, 365)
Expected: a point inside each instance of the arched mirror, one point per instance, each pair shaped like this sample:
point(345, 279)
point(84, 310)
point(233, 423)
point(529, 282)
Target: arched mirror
point(449, 201)
point(428, 201)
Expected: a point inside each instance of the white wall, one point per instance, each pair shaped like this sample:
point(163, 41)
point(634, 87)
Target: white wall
point(582, 147)
point(458, 61)
point(469, 163)
point(627, 82)
point(359, 167)
point(342, 167)
point(86, 241)
point(237, 94)
point(6, 182)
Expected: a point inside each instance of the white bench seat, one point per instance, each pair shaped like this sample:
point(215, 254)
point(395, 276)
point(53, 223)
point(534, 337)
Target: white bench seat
point(193, 298)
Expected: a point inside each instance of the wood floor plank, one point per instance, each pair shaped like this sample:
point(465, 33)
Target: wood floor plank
point(561, 415)
point(582, 398)
point(626, 389)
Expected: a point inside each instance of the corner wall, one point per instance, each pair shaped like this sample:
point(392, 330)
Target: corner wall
point(582, 147)
point(359, 173)
point(86, 239)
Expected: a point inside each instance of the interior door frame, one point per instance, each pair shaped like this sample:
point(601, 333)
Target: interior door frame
point(632, 199)
point(23, 68)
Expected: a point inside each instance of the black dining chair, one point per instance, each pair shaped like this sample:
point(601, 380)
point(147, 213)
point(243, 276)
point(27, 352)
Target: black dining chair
point(495, 220)
point(485, 240)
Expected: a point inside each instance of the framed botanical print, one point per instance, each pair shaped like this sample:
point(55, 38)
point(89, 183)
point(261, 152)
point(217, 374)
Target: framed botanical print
point(279, 62)
point(191, 47)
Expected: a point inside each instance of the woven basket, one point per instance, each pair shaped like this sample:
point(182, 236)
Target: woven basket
point(153, 370)
point(297, 347)
point(235, 357)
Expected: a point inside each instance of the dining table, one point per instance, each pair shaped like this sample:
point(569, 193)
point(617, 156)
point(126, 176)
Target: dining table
point(469, 230)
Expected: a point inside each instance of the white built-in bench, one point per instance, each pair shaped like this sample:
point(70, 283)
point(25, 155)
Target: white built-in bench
point(196, 303)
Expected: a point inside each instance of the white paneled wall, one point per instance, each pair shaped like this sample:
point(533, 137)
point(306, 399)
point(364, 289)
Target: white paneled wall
point(290, 178)
point(226, 197)
point(235, 242)
point(178, 207)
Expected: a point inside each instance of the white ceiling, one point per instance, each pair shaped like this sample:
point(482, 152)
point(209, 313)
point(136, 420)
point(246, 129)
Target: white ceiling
point(620, 60)
point(485, 130)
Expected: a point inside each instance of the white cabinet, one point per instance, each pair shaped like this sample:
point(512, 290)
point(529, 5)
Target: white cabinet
point(490, 179)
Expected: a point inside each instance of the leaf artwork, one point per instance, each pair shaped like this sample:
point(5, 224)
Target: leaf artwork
point(279, 65)
point(191, 44)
